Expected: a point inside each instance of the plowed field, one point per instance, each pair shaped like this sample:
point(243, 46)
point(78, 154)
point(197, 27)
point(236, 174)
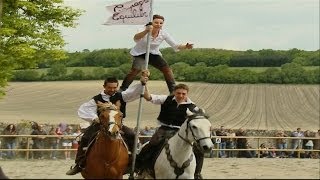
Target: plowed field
point(261, 106)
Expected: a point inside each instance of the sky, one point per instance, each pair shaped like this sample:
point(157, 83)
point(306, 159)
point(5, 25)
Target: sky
point(220, 24)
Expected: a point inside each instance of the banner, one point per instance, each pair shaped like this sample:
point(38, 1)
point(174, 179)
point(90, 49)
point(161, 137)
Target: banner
point(134, 12)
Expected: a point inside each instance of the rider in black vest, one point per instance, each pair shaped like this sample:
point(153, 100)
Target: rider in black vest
point(88, 111)
point(171, 117)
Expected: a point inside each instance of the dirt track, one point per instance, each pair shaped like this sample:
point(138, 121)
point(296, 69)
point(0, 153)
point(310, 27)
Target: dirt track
point(231, 168)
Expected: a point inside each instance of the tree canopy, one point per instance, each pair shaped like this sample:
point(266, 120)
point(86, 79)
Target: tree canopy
point(30, 33)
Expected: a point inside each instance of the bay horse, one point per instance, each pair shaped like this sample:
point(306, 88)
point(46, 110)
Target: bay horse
point(108, 157)
point(177, 160)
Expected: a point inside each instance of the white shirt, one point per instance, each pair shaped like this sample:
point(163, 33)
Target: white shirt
point(141, 44)
point(88, 110)
point(160, 99)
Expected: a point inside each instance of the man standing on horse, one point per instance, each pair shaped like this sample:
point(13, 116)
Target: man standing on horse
point(172, 116)
point(88, 112)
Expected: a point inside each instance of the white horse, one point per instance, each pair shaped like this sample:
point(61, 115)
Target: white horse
point(177, 160)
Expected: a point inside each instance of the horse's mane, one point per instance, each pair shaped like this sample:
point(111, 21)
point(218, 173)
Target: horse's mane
point(106, 106)
point(198, 112)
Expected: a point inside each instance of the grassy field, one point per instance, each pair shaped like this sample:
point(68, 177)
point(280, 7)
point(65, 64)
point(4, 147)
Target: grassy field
point(260, 106)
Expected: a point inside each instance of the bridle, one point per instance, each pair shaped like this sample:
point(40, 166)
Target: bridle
point(180, 170)
point(195, 138)
point(103, 125)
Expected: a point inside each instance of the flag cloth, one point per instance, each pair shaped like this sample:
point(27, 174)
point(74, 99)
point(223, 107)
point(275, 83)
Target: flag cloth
point(134, 12)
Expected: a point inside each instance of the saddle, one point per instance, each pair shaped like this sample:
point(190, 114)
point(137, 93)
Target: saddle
point(146, 159)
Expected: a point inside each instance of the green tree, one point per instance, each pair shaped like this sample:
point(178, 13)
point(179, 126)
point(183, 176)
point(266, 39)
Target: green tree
point(26, 75)
point(293, 73)
point(77, 74)
point(56, 72)
point(98, 73)
point(30, 33)
point(271, 75)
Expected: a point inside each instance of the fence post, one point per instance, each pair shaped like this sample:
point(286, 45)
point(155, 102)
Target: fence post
point(258, 147)
point(27, 153)
point(299, 147)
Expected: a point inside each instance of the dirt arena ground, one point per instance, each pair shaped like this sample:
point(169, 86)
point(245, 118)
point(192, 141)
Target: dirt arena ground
point(233, 168)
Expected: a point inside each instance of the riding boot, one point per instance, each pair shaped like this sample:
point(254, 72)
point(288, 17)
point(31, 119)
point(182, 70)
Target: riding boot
point(80, 161)
point(129, 79)
point(169, 77)
point(171, 85)
point(144, 157)
point(199, 162)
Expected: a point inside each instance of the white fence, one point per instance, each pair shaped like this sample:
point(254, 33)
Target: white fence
point(258, 140)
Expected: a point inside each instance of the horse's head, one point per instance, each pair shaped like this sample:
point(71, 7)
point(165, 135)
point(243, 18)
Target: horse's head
point(197, 128)
point(110, 118)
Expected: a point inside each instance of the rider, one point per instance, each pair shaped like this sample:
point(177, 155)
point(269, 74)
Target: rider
point(88, 112)
point(172, 116)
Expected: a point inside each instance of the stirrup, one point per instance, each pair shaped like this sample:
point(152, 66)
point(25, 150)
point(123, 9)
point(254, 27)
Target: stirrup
point(74, 170)
point(198, 176)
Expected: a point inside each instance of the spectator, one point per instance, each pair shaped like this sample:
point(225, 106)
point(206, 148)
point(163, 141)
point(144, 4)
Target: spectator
point(263, 150)
point(281, 143)
point(307, 144)
point(0, 151)
point(249, 153)
point(67, 143)
point(213, 139)
point(38, 142)
point(296, 143)
point(241, 142)
point(54, 142)
point(222, 144)
point(75, 141)
point(10, 142)
point(317, 143)
point(231, 143)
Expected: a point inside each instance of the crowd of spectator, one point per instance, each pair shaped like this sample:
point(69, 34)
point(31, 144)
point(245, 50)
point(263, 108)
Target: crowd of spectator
point(41, 142)
point(298, 147)
point(224, 146)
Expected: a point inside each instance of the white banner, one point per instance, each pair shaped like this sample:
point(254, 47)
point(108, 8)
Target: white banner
point(134, 12)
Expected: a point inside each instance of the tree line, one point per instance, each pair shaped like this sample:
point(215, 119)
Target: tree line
point(205, 65)
point(207, 56)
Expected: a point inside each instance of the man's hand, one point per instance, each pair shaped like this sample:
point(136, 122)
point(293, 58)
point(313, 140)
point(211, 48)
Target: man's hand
point(144, 76)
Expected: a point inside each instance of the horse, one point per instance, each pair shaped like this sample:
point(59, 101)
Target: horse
point(177, 160)
point(108, 157)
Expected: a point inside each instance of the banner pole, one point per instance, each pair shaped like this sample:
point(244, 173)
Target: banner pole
point(134, 153)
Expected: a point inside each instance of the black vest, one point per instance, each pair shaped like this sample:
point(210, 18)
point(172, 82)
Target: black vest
point(113, 99)
point(172, 114)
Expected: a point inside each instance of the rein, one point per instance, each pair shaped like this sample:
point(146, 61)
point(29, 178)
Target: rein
point(180, 170)
point(177, 170)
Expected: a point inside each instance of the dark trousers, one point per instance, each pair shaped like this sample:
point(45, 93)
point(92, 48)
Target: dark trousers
point(147, 154)
point(156, 61)
point(89, 134)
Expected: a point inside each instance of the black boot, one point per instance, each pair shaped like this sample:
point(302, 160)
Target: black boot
point(199, 162)
point(80, 161)
point(144, 158)
point(74, 170)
